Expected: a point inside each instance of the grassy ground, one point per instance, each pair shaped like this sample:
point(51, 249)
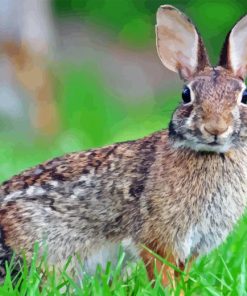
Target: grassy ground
point(223, 272)
point(91, 117)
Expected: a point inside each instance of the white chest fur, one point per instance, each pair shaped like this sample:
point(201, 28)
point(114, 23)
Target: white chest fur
point(218, 216)
point(108, 252)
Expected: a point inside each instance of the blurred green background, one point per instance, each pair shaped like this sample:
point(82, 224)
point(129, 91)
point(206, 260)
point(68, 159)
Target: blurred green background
point(109, 83)
point(132, 21)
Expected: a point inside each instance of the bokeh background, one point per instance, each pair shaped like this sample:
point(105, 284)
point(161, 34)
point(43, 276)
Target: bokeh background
point(76, 74)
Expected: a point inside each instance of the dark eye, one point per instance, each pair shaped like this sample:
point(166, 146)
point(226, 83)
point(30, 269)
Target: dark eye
point(186, 95)
point(244, 97)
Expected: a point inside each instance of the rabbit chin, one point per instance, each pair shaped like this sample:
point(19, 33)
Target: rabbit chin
point(198, 146)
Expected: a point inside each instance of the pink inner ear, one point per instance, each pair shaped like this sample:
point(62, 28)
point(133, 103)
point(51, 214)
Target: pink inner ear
point(185, 73)
point(177, 48)
point(178, 43)
point(238, 48)
point(185, 68)
point(241, 72)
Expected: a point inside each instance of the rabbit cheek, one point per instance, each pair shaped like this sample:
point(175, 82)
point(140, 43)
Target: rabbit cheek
point(185, 111)
point(180, 121)
point(192, 125)
point(243, 119)
point(243, 131)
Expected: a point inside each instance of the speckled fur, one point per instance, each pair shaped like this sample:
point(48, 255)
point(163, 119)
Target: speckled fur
point(171, 191)
point(145, 190)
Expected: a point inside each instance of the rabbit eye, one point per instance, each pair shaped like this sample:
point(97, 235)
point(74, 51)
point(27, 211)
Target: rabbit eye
point(244, 97)
point(186, 95)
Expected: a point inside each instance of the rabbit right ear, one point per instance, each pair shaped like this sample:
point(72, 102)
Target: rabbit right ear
point(179, 46)
point(234, 53)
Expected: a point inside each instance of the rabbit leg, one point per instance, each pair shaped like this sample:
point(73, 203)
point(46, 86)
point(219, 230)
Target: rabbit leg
point(168, 273)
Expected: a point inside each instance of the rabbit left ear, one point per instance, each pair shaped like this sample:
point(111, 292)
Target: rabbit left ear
point(234, 53)
point(179, 45)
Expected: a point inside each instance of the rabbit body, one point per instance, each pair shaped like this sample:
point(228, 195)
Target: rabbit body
point(140, 191)
point(178, 191)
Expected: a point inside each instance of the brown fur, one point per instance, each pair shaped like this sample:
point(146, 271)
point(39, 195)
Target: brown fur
point(178, 191)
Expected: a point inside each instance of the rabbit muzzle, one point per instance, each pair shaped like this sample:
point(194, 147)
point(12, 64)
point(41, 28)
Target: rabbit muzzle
point(215, 132)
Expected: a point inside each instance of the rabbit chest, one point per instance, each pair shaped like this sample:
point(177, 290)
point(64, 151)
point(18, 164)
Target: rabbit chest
point(212, 197)
point(215, 221)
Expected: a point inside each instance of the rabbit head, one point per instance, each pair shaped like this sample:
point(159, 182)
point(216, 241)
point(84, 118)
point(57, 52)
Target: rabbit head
point(212, 115)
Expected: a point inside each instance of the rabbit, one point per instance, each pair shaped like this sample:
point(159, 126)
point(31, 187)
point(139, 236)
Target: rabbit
point(179, 191)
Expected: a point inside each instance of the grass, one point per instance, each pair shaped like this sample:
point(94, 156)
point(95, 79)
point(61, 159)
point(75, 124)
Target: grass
point(100, 121)
point(223, 272)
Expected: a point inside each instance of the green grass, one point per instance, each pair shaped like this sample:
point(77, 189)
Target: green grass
point(223, 272)
point(94, 122)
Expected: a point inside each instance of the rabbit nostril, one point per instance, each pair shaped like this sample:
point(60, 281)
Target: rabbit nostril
point(215, 130)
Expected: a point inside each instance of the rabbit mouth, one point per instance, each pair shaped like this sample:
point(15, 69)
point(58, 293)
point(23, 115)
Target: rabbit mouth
point(195, 141)
point(196, 144)
point(214, 143)
point(212, 147)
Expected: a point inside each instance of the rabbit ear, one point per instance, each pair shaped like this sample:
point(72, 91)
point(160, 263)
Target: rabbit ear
point(234, 52)
point(179, 46)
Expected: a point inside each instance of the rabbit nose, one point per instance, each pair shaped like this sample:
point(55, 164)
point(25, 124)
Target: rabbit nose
point(216, 128)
